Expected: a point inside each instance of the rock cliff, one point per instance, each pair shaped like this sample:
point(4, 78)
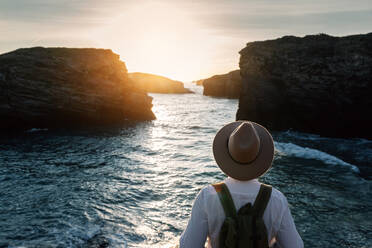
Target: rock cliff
point(53, 87)
point(157, 84)
point(319, 84)
point(226, 85)
point(199, 82)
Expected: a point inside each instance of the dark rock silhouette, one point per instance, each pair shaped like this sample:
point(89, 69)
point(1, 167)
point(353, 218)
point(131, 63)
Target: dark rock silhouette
point(157, 84)
point(58, 87)
point(226, 85)
point(318, 84)
point(97, 241)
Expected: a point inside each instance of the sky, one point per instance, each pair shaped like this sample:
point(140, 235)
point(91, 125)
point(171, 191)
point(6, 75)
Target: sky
point(183, 40)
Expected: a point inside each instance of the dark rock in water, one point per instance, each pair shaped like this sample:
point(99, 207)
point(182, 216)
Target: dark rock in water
point(59, 87)
point(318, 84)
point(226, 85)
point(97, 241)
point(157, 84)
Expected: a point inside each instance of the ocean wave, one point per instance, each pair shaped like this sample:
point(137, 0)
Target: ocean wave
point(290, 149)
point(83, 236)
point(317, 137)
point(303, 136)
point(33, 130)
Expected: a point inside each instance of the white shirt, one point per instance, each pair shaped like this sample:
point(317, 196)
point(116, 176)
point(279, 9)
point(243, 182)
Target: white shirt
point(207, 216)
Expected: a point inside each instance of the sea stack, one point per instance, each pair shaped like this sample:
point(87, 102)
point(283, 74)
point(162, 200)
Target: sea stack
point(157, 84)
point(59, 87)
point(226, 85)
point(318, 84)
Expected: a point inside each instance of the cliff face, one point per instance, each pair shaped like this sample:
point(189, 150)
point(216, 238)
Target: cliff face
point(157, 84)
point(318, 84)
point(199, 82)
point(225, 85)
point(48, 87)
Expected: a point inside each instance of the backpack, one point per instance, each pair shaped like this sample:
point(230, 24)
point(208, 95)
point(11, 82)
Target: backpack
point(245, 228)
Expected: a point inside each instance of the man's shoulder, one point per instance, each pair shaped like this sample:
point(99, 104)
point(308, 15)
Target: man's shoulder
point(276, 194)
point(208, 192)
point(277, 197)
point(208, 189)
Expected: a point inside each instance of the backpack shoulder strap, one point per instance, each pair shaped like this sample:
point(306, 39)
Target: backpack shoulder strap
point(262, 199)
point(225, 199)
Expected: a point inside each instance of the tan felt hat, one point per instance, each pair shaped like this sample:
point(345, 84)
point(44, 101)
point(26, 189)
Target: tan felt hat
point(243, 150)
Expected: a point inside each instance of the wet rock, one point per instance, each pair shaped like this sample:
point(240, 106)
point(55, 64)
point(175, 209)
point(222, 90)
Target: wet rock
point(318, 84)
point(226, 85)
point(58, 87)
point(97, 241)
point(158, 84)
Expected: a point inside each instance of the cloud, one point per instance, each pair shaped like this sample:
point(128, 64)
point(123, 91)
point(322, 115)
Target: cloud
point(55, 11)
point(225, 17)
point(25, 23)
point(238, 24)
point(209, 33)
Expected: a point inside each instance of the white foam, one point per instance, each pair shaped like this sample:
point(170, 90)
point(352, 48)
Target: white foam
point(92, 231)
point(76, 234)
point(290, 149)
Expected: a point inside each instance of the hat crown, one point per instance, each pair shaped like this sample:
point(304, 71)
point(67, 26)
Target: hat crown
point(244, 143)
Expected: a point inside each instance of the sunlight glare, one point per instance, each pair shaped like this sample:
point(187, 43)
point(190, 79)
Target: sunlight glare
point(157, 38)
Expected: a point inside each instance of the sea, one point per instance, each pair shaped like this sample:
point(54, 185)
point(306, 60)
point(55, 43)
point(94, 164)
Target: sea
point(134, 185)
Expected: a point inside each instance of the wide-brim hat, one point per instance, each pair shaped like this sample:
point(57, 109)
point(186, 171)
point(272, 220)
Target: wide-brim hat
point(243, 150)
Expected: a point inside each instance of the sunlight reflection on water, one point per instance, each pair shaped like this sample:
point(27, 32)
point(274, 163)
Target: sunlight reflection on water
point(134, 186)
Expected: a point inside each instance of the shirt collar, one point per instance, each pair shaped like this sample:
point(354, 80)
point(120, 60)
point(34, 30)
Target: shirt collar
point(234, 181)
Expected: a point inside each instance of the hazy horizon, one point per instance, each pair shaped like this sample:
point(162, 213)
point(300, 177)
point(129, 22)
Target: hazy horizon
point(182, 40)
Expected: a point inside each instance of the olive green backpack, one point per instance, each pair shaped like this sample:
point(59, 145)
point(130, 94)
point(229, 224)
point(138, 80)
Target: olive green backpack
point(245, 228)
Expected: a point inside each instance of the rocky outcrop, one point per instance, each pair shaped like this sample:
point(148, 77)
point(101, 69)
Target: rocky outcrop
point(319, 84)
point(226, 85)
point(53, 87)
point(158, 84)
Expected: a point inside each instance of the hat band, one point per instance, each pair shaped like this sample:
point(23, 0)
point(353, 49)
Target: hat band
point(238, 162)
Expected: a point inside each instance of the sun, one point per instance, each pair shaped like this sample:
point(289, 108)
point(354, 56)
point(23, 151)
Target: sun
point(157, 38)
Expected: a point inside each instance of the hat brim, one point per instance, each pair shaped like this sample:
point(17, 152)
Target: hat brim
point(237, 170)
